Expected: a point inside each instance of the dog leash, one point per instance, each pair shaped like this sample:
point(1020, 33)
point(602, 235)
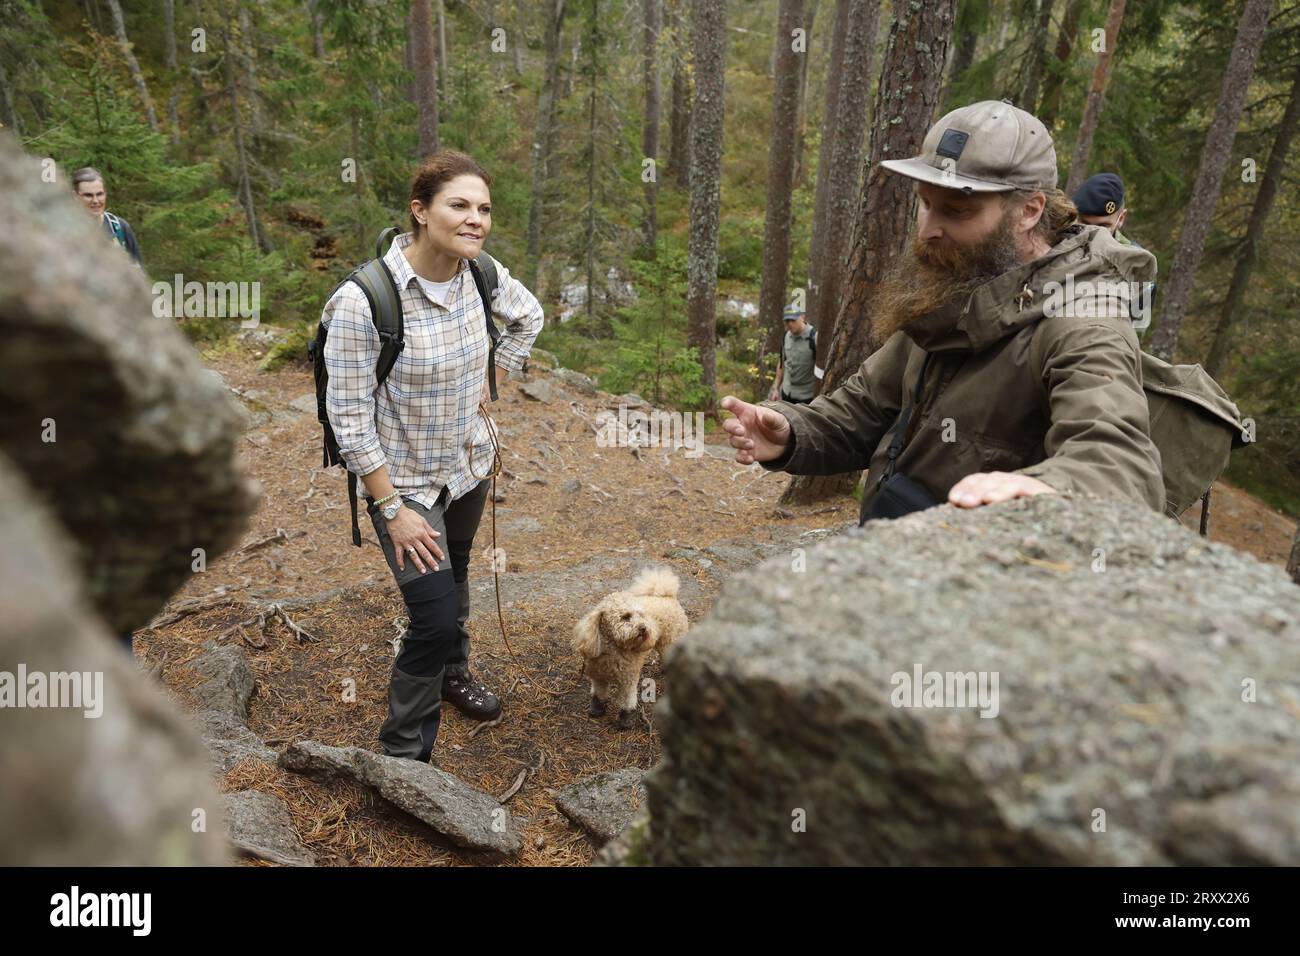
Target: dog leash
point(496, 570)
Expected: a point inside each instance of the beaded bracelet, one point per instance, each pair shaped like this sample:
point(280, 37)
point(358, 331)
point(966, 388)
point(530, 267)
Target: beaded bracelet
point(384, 500)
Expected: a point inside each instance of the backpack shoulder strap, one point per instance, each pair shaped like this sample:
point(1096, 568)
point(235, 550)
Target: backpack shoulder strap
point(116, 225)
point(385, 310)
point(480, 269)
point(812, 338)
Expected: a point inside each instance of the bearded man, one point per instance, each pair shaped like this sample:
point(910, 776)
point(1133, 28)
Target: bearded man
point(1008, 365)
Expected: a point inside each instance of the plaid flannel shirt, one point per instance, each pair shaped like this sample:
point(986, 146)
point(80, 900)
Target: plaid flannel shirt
point(424, 419)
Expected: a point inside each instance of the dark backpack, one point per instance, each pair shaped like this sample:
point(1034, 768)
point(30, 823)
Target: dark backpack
point(384, 298)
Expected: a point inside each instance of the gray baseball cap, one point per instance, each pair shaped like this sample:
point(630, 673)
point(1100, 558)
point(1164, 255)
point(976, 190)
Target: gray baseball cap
point(987, 147)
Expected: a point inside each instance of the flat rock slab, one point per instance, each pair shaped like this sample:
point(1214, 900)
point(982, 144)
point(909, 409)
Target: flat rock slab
point(1053, 680)
point(260, 827)
point(464, 815)
point(538, 391)
point(604, 804)
point(230, 683)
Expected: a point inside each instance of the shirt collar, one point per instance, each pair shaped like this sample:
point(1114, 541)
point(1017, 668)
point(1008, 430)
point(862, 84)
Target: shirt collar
point(402, 272)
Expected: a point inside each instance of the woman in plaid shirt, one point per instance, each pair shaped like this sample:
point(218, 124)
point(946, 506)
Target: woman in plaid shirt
point(422, 441)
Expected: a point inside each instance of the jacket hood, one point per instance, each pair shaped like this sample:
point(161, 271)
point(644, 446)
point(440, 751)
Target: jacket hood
point(1069, 272)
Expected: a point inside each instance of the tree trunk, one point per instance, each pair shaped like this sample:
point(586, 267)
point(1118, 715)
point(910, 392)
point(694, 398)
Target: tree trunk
point(1033, 76)
point(133, 65)
point(9, 116)
point(542, 137)
point(420, 30)
point(1051, 102)
point(708, 53)
point(650, 129)
point(780, 174)
point(1259, 213)
point(241, 154)
point(679, 122)
point(173, 98)
point(906, 99)
point(821, 197)
point(847, 137)
point(1096, 96)
point(593, 47)
point(442, 46)
point(317, 28)
point(809, 19)
point(1215, 157)
point(963, 52)
point(248, 54)
point(1293, 565)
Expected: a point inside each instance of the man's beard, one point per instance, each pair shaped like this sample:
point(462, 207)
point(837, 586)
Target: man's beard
point(927, 277)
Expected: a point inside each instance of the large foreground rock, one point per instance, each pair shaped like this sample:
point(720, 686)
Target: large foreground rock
point(105, 407)
point(127, 786)
point(260, 826)
point(465, 815)
point(1146, 706)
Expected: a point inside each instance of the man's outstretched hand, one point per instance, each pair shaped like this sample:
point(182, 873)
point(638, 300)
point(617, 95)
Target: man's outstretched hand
point(990, 487)
point(757, 433)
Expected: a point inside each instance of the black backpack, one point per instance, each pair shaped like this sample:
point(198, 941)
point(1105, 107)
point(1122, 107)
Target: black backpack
point(385, 301)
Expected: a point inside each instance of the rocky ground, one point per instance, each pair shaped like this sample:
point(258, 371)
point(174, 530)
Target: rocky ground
point(573, 519)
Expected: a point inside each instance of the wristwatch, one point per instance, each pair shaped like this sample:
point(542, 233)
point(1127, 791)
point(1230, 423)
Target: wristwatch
point(390, 510)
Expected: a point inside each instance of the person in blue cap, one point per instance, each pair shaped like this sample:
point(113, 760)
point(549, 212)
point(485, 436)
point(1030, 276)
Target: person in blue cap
point(1100, 201)
point(798, 364)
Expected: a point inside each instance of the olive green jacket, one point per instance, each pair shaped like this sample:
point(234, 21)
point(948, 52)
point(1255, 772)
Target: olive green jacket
point(1037, 372)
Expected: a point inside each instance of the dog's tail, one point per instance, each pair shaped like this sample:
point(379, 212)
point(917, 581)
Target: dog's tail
point(656, 582)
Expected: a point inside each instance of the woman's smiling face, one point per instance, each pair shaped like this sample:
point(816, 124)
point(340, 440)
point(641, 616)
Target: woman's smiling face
point(458, 218)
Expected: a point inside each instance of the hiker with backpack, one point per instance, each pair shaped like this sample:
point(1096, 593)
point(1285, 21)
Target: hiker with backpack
point(88, 183)
point(795, 370)
point(406, 359)
point(1008, 364)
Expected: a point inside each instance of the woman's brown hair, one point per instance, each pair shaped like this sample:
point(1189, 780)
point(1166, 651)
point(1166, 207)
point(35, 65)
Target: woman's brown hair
point(438, 170)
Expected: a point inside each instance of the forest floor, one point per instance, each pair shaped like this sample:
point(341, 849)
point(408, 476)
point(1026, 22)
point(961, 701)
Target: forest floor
point(575, 541)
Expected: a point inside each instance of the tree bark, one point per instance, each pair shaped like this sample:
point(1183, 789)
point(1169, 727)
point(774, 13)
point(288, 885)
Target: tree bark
point(442, 46)
point(133, 65)
point(173, 98)
point(317, 28)
point(708, 53)
point(1209, 178)
point(542, 137)
point(420, 29)
point(1293, 565)
point(594, 74)
point(1259, 213)
point(780, 174)
point(906, 99)
point(679, 122)
point(809, 19)
point(1051, 102)
point(1096, 97)
point(9, 116)
point(241, 153)
point(963, 56)
point(1033, 76)
point(248, 54)
point(843, 132)
point(653, 13)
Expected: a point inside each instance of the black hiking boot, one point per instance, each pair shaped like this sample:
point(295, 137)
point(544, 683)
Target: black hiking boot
point(470, 697)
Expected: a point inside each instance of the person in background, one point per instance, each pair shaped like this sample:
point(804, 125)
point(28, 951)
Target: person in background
point(795, 370)
point(89, 185)
point(1100, 201)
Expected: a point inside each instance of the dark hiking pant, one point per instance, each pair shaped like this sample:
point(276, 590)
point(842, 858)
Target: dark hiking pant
point(437, 602)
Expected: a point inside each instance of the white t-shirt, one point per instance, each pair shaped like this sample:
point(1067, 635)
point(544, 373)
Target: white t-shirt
point(439, 292)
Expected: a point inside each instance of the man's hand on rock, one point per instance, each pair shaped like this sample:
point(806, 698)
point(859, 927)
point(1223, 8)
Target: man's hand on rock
point(988, 488)
point(757, 433)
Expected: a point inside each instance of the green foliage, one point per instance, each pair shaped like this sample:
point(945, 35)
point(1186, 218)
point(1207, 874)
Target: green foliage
point(650, 355)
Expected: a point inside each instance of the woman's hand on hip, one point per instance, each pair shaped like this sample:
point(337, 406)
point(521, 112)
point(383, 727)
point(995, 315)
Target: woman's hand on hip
point(413, 539)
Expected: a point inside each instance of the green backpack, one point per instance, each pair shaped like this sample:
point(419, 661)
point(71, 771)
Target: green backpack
point(1196, 427)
